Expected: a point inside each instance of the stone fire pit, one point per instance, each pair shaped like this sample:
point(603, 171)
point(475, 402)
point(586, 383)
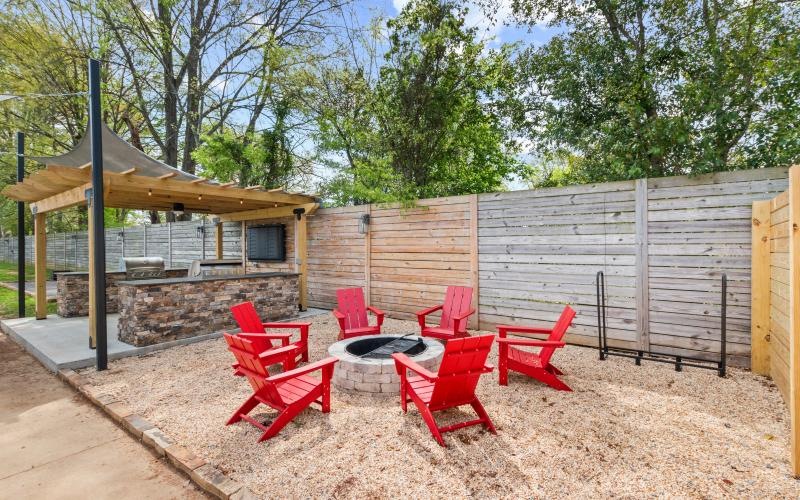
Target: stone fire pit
point(366, 364)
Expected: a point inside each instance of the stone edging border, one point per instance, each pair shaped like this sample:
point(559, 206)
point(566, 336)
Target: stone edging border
point(207, 477)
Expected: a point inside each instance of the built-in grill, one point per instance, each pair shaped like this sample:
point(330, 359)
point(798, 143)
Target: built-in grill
point(144, 268)
point(216, 267)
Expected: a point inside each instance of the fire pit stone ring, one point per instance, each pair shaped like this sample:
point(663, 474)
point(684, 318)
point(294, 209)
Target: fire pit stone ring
point(366, 366)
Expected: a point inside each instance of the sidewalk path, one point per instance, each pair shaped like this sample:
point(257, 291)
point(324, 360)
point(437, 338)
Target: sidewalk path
point(55, 445)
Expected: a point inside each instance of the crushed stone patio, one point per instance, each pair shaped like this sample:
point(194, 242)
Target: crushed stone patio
point(624, 431)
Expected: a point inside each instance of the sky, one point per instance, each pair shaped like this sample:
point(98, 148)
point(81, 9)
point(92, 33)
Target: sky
point(495, 33)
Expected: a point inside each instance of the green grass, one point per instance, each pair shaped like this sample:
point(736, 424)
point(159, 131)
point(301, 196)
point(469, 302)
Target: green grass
point(8, 304)
point(8, 272)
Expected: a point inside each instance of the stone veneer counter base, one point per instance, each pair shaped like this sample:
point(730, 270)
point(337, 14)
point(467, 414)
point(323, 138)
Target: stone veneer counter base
point(153, 311)
point(72, 295)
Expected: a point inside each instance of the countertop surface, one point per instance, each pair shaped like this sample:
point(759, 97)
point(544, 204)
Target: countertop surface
point(200, 279)
point(86, 273)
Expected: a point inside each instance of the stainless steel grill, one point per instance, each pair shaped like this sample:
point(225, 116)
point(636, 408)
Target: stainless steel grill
point(144, 268)
point(216, 267)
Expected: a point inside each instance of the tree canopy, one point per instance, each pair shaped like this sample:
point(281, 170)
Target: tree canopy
point(328, 96)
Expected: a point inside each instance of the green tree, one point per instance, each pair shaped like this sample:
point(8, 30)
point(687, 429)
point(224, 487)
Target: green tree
point(427, 125)
point(262, 158)
point(666, 87)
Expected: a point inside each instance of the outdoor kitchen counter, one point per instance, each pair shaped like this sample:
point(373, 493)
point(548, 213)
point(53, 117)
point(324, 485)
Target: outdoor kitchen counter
point(160, 310)
point(72, 291)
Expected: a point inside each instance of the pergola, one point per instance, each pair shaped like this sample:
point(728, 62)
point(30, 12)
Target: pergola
point(131, 179)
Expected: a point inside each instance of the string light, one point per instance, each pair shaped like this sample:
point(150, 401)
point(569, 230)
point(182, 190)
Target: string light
point(241, 202)
point(200, 197)
point(149, 192)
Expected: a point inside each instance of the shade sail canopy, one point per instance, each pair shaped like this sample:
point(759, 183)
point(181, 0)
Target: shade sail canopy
point(118, 156)
point(134, 180)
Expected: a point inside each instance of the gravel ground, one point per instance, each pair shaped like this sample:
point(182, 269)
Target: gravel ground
point(624, 431)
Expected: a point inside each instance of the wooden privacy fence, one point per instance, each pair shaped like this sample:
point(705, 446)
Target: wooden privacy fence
point(663, 245)
point(776, 298)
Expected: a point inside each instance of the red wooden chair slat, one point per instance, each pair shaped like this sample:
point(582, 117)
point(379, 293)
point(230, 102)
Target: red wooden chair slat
point(455, 311)
point(289, 392)
point(351, 314)
point(534, 364)
point(463, 362)
point(248, 320)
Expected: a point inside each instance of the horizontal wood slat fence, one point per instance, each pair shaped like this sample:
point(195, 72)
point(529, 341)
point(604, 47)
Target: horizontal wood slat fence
point(775, 318)
point(662, 244)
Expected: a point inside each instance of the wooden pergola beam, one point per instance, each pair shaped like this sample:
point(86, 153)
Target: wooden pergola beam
point(60, 201)
point(267, 213)
point(140, 184)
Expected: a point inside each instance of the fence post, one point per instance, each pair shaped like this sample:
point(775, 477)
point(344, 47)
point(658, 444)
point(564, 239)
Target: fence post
point(642, 269)
point(473, 260)
point(794, 315)
point(368, 257)
point(144, 240)
point(760, 288)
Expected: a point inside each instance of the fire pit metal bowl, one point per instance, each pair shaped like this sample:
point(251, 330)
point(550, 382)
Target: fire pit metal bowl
point(366, 365)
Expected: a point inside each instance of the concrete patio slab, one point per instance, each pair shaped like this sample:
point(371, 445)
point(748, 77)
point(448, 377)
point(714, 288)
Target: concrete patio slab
point(63, 343)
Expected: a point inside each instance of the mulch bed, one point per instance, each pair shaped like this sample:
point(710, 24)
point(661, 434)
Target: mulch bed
point(624, 431)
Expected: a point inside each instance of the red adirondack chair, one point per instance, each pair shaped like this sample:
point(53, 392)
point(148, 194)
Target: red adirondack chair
point(352, 314)
point(247, 318)
point(536, 365)
point(289, 392)
point(455, 311)
point(463, 362)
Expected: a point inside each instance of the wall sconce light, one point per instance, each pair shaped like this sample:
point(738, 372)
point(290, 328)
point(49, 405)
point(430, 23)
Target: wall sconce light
point(201, 231)
point(363, 224)
point(120, 235)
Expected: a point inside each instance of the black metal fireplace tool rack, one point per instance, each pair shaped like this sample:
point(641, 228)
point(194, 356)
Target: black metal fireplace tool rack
point(660, 357)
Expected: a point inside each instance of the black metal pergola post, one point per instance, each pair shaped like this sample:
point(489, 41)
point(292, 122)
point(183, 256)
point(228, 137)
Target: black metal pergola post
point(21, 228)
point(96, 205)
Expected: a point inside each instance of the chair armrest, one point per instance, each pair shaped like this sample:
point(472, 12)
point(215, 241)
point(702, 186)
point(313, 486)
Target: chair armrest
point(532, 342)
point(279, 353)
point(378, 314)
point(261, 340)
point(487, 368)
point(459, 319)
point(403, 362)
point(319, 365)
point(463, 315)
point(340, 318)
point(504, 329)
point(299, 326)
point(421, 314)
point(303, 327)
